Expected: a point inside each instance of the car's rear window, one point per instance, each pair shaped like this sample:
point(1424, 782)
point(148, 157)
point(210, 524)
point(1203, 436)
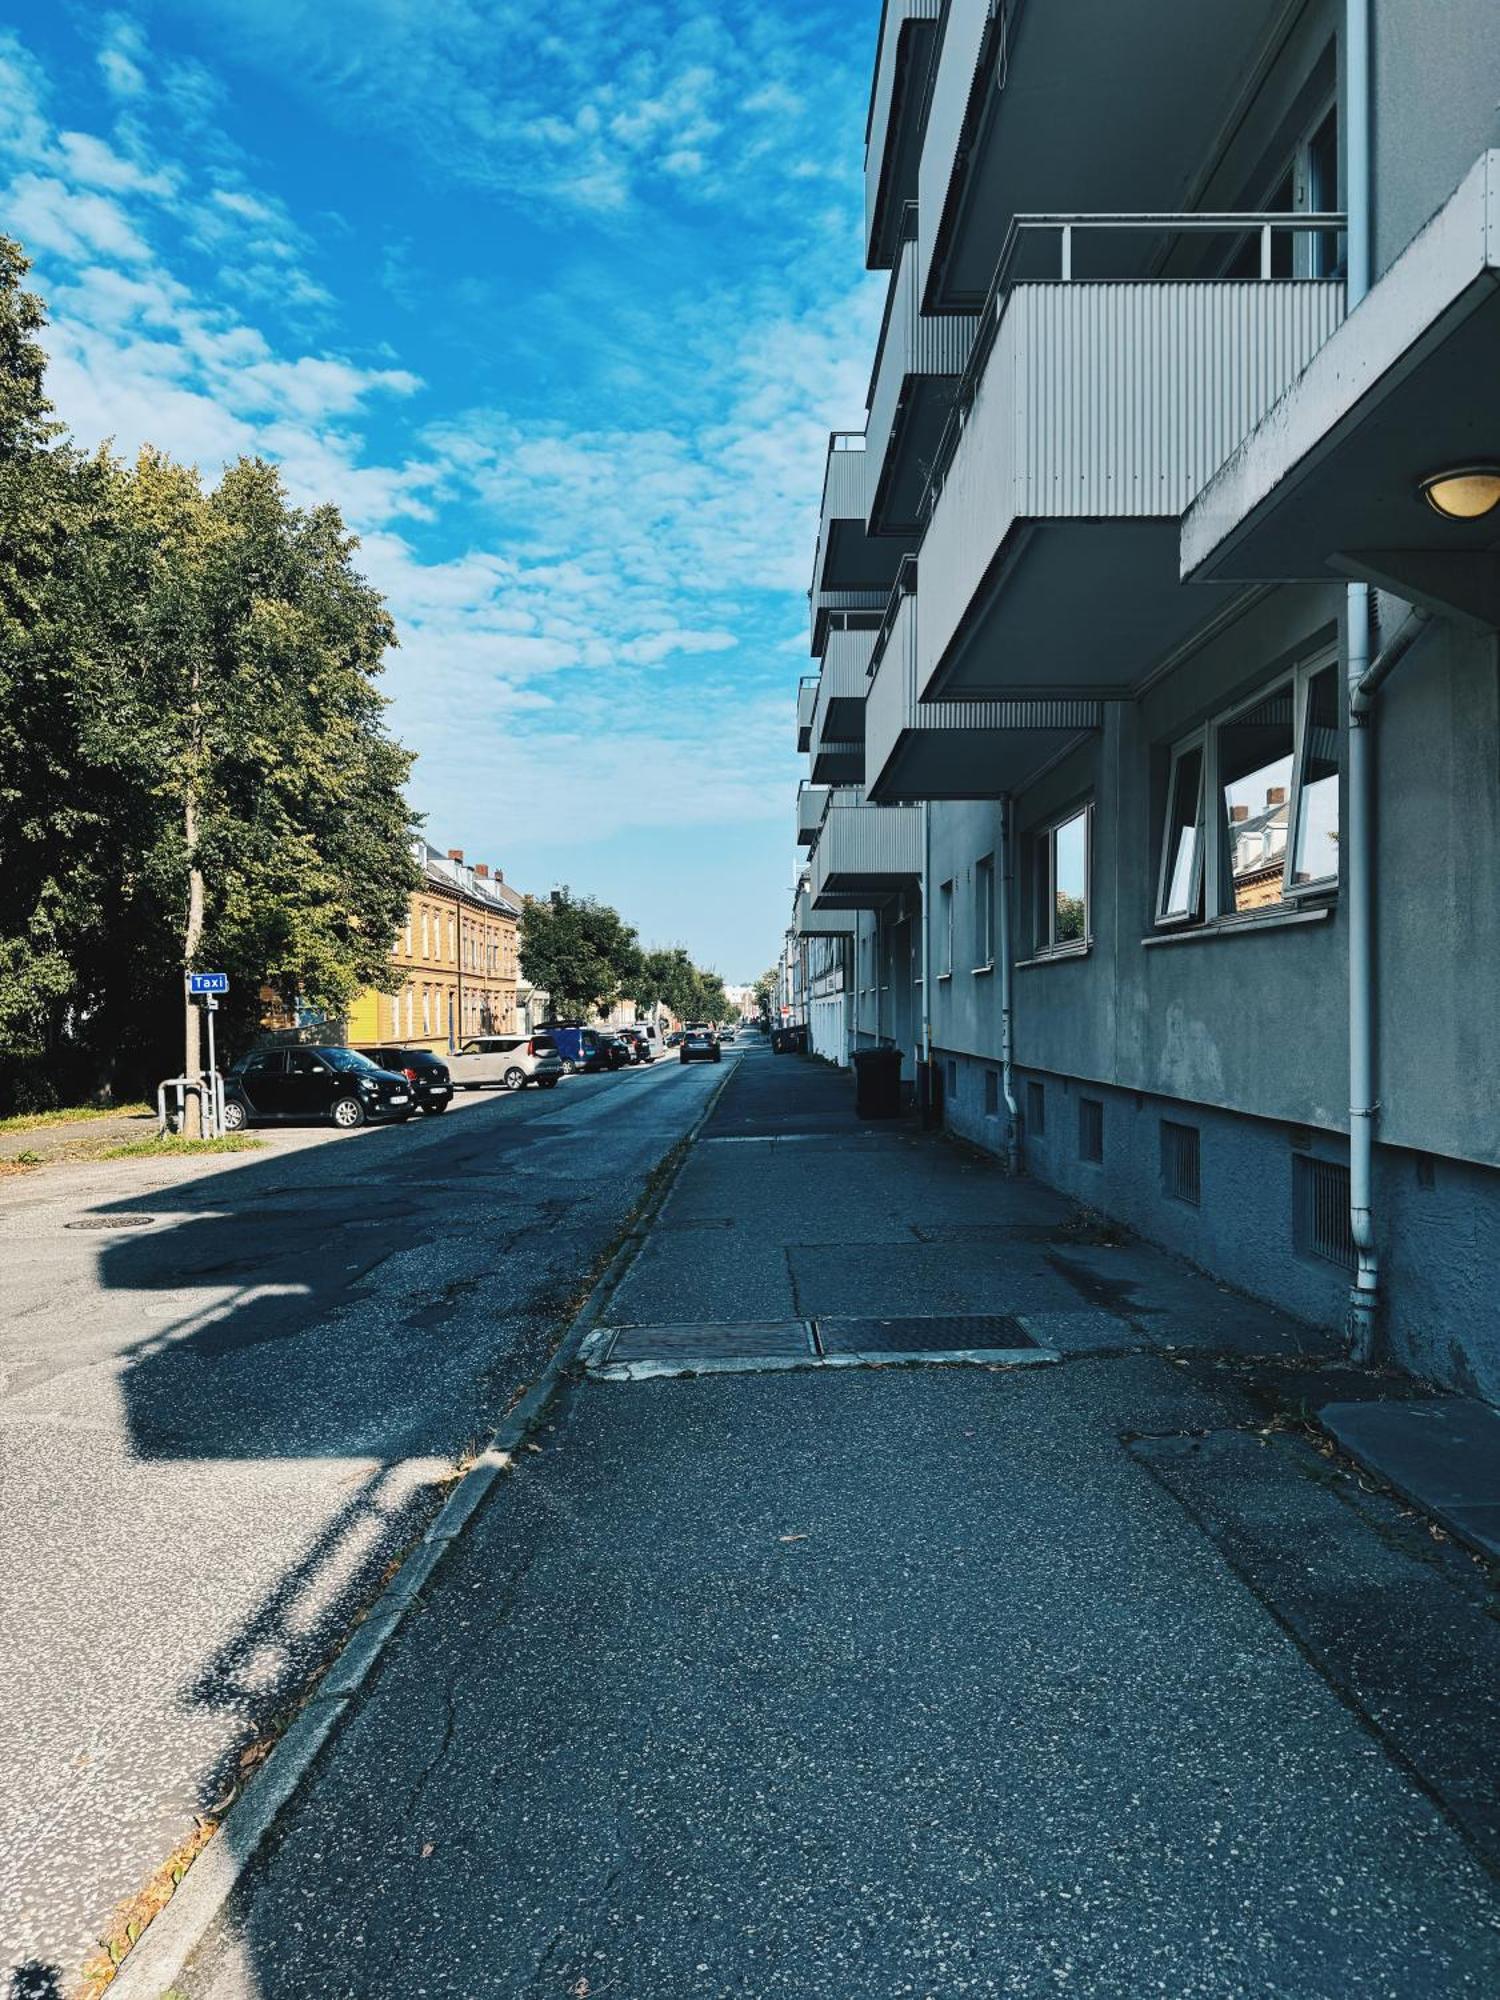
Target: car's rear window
point(543, 1044)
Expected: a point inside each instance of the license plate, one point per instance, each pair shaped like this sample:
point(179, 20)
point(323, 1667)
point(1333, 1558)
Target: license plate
point(398, 1097)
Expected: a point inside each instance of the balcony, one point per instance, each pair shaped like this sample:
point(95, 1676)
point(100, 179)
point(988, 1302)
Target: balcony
point(1330, 483)
point(893, 129)
point(1090, 416)
point(918, 362)
point(812, 803)
point(807, 696)
point(838, 731)
point(1077, 104)
point(852, 572)
point(865, 854)
point(809, 922)
point(837, 759)
point(953, 749)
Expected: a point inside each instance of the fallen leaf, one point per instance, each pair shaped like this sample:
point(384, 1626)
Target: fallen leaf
point(427, 1847)
point(796, 1538)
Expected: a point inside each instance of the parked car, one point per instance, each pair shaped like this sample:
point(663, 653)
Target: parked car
point(790, 1040)
point(431, 1086)
point(700, 1045)
point(674, 1039)
point(313, 1083)
point(614, 1051)
point(512, 1061)
point(638, 1040)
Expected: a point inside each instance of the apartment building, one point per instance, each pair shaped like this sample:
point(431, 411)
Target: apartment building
point(1154, 741)
point(455, 962)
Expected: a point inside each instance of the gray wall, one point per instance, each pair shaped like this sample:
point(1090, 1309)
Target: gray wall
point(1436, 107)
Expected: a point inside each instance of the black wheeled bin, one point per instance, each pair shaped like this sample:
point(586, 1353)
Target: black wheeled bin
point(877, 1083)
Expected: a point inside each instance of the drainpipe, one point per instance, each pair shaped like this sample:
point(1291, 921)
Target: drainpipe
point(926, 949)
point(1013, 1161)
point(1364, 1295)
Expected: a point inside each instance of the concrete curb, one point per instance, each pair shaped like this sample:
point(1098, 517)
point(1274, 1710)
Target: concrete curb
point(173, 1936)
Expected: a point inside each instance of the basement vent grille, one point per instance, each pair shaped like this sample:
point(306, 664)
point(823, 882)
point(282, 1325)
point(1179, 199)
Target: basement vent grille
point(1179, 1162)
point(1320, 1211)
point(1091, 1129)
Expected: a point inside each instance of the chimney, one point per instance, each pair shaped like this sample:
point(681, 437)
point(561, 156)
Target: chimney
point(500, 875)
point(455, 854)
point(1238, 813)
point(1276, 796)
point(481, 870)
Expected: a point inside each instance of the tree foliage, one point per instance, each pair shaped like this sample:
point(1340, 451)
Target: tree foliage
point(188, 703)
point(580, 952)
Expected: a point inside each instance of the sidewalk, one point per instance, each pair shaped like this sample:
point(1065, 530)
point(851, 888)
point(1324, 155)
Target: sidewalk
point(1078, 1676)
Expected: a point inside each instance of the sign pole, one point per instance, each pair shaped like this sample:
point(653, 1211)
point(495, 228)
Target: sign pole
point(210, 1008)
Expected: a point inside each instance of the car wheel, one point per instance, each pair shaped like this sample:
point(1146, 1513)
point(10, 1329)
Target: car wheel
point(435, 1110)
point(235, 1119)
point(348, 1114)
point(514, 1079)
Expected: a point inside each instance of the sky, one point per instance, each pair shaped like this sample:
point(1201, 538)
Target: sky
point(557, 303)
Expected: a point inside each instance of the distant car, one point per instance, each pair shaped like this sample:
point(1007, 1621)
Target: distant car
point(638, 1040)
point(310, 1084)
point(512, 1061)
point(700, 1045)
point(431, 1086)
point(674, 1039)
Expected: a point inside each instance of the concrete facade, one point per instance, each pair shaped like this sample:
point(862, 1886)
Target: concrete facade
point(1224, 1013)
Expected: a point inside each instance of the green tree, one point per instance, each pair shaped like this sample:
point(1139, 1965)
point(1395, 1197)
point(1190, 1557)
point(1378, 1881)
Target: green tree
point(193, 761)
point(579, 952)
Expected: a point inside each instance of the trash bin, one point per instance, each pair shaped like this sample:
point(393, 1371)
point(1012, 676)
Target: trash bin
point(877, 1083)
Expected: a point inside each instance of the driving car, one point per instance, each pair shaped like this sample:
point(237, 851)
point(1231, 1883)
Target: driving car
point(700, 1045)
point(431, 1088)
point(512, 1061)
point(271, 1085)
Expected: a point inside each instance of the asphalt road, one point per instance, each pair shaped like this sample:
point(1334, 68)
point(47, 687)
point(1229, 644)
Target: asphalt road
point(228, 1394)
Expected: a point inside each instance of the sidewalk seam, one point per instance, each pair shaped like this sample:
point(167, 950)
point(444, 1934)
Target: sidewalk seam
point(176, 1932)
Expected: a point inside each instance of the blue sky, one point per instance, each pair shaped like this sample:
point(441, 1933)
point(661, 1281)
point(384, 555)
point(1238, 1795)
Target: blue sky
point(557, 302)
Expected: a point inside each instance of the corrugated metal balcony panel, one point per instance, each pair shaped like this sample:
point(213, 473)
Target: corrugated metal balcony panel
point(866, 854)
point(807, 697)
point(867, 602)
point(918, 749)
point(843, 685)
point(957, 61)
point(893, 129)
point(812, 803)
point(810, 922)
point(1101, 411)
point(836, 762)
point(917, 363)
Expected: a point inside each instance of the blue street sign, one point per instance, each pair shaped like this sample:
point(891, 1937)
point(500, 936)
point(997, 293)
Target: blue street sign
point(208, 982)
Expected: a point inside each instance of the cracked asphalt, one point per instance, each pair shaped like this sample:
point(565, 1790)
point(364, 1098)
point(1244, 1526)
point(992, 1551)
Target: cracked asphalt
point(227, 1392)
point(1074, 1678)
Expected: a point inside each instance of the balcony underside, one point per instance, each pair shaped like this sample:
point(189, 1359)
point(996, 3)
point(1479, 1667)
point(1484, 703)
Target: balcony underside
point(824, 923)
point(894, 134)
point(860, 892)
point(915, 433)
point(1329, 482)
point(973, 755)
point(1088, 609)
point(843, 685)
point(1100, 107)
point(838, 763)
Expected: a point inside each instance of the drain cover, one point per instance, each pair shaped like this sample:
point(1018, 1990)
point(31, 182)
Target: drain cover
point(964, 1334)
point(748, 1340)
point(111, 1222)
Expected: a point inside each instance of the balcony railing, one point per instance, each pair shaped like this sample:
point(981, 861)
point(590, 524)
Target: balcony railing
point(1264, 227)
point(807, 697)
point(865, 854)
point(812, 804)
point(897, 94)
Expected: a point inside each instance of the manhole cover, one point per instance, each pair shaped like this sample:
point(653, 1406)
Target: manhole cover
point(964, 1334)
point(111, 1222)
point(749, 1340)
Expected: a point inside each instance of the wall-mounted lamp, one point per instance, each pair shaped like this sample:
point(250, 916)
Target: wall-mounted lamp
point(1464, 492)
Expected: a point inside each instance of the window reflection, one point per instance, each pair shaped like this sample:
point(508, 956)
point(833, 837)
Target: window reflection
point(1316, 858)
point(1070, 880)
point(1255, 779)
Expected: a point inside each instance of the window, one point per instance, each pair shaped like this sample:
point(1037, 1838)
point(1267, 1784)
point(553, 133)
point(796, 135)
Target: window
point(992, 1093)
point(395, 1014)
point(408, 932)
point(426, 937)
point(426, 1010)
point(1252, 807)
point(1091, 1129)
point(1061, 857)
point(984, 913)
point(410, 998)
point(1180, 1162)
point(943, 944)
point(1036, 1110)
point(1321, 1225)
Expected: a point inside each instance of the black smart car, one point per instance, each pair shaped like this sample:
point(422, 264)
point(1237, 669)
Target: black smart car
point(431, 1086)
point(312, 1084)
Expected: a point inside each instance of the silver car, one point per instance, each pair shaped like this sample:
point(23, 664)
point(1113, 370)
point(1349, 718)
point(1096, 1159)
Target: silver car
point(512, 1061)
